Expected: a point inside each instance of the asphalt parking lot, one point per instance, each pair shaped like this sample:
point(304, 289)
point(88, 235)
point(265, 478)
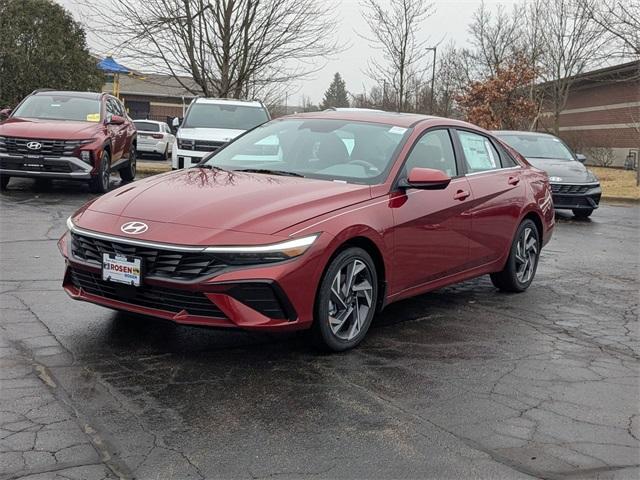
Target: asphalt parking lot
point(464, 382)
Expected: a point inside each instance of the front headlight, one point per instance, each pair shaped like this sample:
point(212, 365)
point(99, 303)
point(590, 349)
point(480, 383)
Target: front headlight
point(591, 177)
point(276, 252)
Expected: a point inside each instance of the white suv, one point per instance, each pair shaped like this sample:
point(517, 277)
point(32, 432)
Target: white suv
point(210, 123)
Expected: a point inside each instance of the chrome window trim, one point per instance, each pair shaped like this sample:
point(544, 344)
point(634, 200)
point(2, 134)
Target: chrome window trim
point(495, 170)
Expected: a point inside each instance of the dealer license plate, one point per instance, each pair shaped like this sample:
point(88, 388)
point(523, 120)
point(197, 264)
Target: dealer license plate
point(122, 269)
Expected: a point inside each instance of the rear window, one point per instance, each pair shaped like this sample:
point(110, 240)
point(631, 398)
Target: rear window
point(232, 117)
point(147, 126)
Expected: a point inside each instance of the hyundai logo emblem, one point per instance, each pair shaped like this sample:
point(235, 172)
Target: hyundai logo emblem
point(134, 228)
point(34, 145)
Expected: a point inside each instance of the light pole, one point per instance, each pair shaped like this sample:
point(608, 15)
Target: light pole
point(433, 76)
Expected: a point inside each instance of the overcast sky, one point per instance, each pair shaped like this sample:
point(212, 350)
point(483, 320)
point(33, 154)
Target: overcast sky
point(449, 22)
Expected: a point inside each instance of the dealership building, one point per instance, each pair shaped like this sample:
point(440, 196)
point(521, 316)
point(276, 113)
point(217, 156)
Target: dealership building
point(603, 112)
point(154, 97)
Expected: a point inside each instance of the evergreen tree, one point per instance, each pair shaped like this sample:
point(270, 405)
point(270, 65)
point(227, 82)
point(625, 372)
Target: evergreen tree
point(41, 46)
point(336, 94)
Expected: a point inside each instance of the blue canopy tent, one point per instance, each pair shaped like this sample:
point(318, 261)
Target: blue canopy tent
point(109, 65)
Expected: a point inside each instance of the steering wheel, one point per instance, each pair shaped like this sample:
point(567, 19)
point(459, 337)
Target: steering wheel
point(365, 164)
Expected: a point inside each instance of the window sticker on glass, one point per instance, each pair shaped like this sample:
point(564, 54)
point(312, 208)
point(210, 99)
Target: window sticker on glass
point(397, 130)
point(93, 117)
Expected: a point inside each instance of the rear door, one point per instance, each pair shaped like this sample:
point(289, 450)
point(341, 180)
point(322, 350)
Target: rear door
point(432, 227)
point(498, 192)
point(118, 133)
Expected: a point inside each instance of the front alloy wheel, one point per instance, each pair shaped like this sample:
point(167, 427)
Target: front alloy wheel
point(346, 301)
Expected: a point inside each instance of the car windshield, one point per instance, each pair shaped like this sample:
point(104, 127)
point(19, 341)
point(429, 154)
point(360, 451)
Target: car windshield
point(538, 146)
point(339, 150)
point(218, 115)
point(147, 126)
point(60, 107)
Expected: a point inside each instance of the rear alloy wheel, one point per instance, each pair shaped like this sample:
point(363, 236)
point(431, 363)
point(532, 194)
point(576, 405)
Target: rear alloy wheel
point(582, 212)
point(4, 181)
point(521, 265)
point(128, 173)
point(100, 183)
point(346, 301)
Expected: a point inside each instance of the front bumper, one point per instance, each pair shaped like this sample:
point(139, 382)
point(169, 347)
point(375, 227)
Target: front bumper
point(576, 196)
point(272, 297)
point(44, 167)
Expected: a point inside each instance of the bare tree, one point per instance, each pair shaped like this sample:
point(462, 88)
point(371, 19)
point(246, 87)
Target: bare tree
point(571, 43)
point(621, 19)
point(231, 48)
point(495, 37)
point(393, 31)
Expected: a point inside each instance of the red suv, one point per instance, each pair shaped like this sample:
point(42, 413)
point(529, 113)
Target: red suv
point(68, 135)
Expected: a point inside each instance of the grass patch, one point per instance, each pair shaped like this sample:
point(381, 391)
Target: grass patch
point(617, 183)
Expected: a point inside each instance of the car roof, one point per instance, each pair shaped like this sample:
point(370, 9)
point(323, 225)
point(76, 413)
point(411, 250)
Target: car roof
point(229, 101)
point(69, 93)
point(405, 120)
point(522, 133)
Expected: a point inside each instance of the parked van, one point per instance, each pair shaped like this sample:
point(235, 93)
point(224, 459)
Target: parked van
point(210, 123)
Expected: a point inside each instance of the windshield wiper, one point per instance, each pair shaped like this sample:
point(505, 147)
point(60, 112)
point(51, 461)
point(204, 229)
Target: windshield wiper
point(271, 172)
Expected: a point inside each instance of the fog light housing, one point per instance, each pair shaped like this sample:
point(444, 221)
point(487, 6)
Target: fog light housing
point(85, 156)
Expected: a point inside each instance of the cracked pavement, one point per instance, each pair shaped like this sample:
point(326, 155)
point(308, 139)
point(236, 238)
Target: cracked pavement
point(464, 382)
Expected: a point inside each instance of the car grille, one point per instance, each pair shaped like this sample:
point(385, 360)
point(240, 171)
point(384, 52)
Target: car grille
point(167, 299)
point(574, 189)
point(199, 145)
point(161, 263)
point(51, 148)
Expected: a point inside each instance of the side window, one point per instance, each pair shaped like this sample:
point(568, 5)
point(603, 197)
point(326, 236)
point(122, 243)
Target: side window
point(479, 152)
point(433, 150)
point(506, 158)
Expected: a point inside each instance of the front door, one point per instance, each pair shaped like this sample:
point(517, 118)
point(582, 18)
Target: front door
point(432, 227)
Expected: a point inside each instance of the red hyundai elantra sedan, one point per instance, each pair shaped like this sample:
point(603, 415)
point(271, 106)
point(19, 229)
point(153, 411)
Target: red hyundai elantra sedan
point(314, 221)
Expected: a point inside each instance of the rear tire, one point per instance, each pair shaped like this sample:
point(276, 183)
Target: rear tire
point(582, 213)
point(346, 301)
point(128, 173)
point(100, 183)
point(4, 181)
point(520, 269)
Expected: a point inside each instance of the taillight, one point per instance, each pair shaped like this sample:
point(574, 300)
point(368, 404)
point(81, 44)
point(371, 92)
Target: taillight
point(157, 135)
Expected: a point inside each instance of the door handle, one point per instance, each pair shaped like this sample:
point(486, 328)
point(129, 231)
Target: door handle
point(513, 180)
point(461, 195)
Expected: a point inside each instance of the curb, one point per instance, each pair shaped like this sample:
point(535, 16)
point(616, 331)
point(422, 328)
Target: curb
point(631, 201)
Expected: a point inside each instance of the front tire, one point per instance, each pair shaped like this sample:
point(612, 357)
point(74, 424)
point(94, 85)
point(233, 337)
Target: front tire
point(100, 183)
point(522, 263)
point(582, 213)
point(128, 173)
point(346, 301)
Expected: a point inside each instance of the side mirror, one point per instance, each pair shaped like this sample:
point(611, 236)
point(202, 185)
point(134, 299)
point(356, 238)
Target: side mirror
point(4, 113)
point(175, 123)
point(115, 120)
point(426, 179)
point(581, 158)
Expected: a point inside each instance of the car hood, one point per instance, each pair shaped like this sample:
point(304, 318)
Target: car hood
point(211, 134)
point(568, 170)
point(48, 129)
point(231, 201)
